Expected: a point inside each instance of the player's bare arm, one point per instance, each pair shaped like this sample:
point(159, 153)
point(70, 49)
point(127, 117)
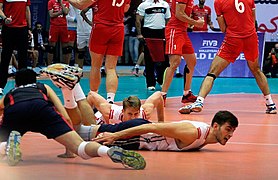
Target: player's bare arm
point(182, 16)
point(184, 133)
point(154, 101)
point(81, 4)
point(222, 24)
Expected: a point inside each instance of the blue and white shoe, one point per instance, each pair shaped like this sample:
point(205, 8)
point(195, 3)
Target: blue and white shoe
point(127, 158)
point(194, 107)
point(13, 148)
point(271, 109)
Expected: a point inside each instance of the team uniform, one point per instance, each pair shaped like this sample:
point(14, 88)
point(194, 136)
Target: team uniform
point(83, 29)
point(14, 35)
point(240, 37)
point(107, 35)
point(27, 108)
point(116, 115)
point(177, 40)
point(152, 141)
point(58, 25)
point(71, 24)
point(198, 13)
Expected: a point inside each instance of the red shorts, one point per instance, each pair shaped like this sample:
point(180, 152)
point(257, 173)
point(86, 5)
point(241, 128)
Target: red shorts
point(107, 40)
point(177, 42)
point(231, 48)
point(58, 33)
point(72, 35)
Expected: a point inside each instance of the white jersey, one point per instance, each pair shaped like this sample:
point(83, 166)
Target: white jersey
point(116, 115)
point(152, 141)
point(83, 28)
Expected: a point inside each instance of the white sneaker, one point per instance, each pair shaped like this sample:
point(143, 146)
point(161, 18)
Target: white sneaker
point(194, 107)
point(1, 92)
point(151, 88)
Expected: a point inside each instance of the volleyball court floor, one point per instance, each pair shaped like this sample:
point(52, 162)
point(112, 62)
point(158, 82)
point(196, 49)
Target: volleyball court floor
point(252, 153)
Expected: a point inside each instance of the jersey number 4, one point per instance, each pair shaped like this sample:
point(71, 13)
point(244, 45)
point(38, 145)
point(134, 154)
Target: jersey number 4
point(239, 6)
point(114, 3)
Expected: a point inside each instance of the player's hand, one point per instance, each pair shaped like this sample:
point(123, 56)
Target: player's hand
point(105, 138)
point(8, 20)
point(200, 22)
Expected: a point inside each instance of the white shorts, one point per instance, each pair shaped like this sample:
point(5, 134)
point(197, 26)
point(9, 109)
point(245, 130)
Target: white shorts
point(83, 40)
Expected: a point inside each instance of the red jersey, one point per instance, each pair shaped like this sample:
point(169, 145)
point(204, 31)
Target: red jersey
point(198, 13)
point(110, 12)
point(56, 6)
point(16, 9)
point(176, 23)
point(238, 16)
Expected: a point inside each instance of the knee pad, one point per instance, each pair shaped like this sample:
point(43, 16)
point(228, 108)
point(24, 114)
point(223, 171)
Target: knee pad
point(81, 151)
point(85, 132)
point(211, 75)
point(81, 54)
point(51, 49)
point(186, 70)
point(67, 49)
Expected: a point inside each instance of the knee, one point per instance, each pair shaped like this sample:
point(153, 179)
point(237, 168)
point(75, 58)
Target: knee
point(67, 49)
point(51, 49)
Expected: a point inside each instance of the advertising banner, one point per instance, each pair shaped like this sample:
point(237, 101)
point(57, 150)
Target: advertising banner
point(39, 12)
point(206, 46)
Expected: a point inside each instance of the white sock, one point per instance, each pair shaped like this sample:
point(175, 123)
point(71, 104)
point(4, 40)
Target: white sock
point(3, 148)
point(185, 92)
point(137, 66)
point(102, 151)
point(110, 97)
point(178, 70)
point(69, 101)
point(78, 93)
point(200, 99)
point(163, 93)
point(268, 99)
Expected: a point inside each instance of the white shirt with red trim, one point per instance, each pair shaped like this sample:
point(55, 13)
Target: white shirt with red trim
point(152, 141)
point(116, 115)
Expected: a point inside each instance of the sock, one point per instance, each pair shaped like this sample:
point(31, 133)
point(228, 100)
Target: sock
point(185, 92)
point(110, 97)
point(200, 99)
point(94, 91)
point(164, 93)
point(137, 66)
point(78, 93)
point(3, 148)
point(69, 101)
point(102, 151)
point(268, 99)
point(177, 70)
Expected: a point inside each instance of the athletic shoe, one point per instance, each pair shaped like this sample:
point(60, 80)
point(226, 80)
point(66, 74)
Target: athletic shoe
point(102, 72)
point(1, 92)
point(178, 75)
point(188, 98)
point(135, 72)
point(194, 107)
point(13, 150)
point(127, 158)
point(271, 109)
point(61, 78)
point(151, 88)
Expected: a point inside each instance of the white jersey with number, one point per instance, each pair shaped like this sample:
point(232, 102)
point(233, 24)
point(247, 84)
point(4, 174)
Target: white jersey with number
point(116, 115)
point(152, 141)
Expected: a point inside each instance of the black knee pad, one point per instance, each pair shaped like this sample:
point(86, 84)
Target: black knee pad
point(211, 75)
point(186, 70)
point(67, 49)
point(51, 49)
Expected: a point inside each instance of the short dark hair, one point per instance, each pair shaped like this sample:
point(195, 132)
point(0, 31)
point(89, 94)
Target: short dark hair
point(221, 117)
point(131, 101)
point(25, 76)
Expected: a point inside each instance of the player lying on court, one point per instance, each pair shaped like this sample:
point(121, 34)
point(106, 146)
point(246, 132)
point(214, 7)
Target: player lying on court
point(32, 106)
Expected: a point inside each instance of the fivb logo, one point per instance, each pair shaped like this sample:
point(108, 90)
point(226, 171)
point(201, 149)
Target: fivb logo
point(209, 43)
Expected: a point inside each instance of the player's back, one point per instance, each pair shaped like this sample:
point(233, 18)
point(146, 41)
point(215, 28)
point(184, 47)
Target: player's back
point(238, 15)
point(110, 12)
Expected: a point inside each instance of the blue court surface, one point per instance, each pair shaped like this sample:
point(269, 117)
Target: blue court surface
point(131, 85)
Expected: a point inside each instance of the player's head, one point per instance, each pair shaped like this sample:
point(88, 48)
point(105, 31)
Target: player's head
point(202, 2)
point(131, 108)
point(224, 123)
point(25, 76)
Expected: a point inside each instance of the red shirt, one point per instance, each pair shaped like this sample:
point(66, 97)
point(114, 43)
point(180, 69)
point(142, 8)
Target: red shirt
point(197, 13)
point(238, 16)
point(110, 12)
point(56, 6)
point(16, 9)
point(176, 23)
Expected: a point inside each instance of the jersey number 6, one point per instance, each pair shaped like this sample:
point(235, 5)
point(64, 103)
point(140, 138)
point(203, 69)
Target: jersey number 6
point(239, 6)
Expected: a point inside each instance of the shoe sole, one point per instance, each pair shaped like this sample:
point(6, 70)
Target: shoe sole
point(271, 112)
point(127, 158)
point(14, 153)
point(188, 111)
